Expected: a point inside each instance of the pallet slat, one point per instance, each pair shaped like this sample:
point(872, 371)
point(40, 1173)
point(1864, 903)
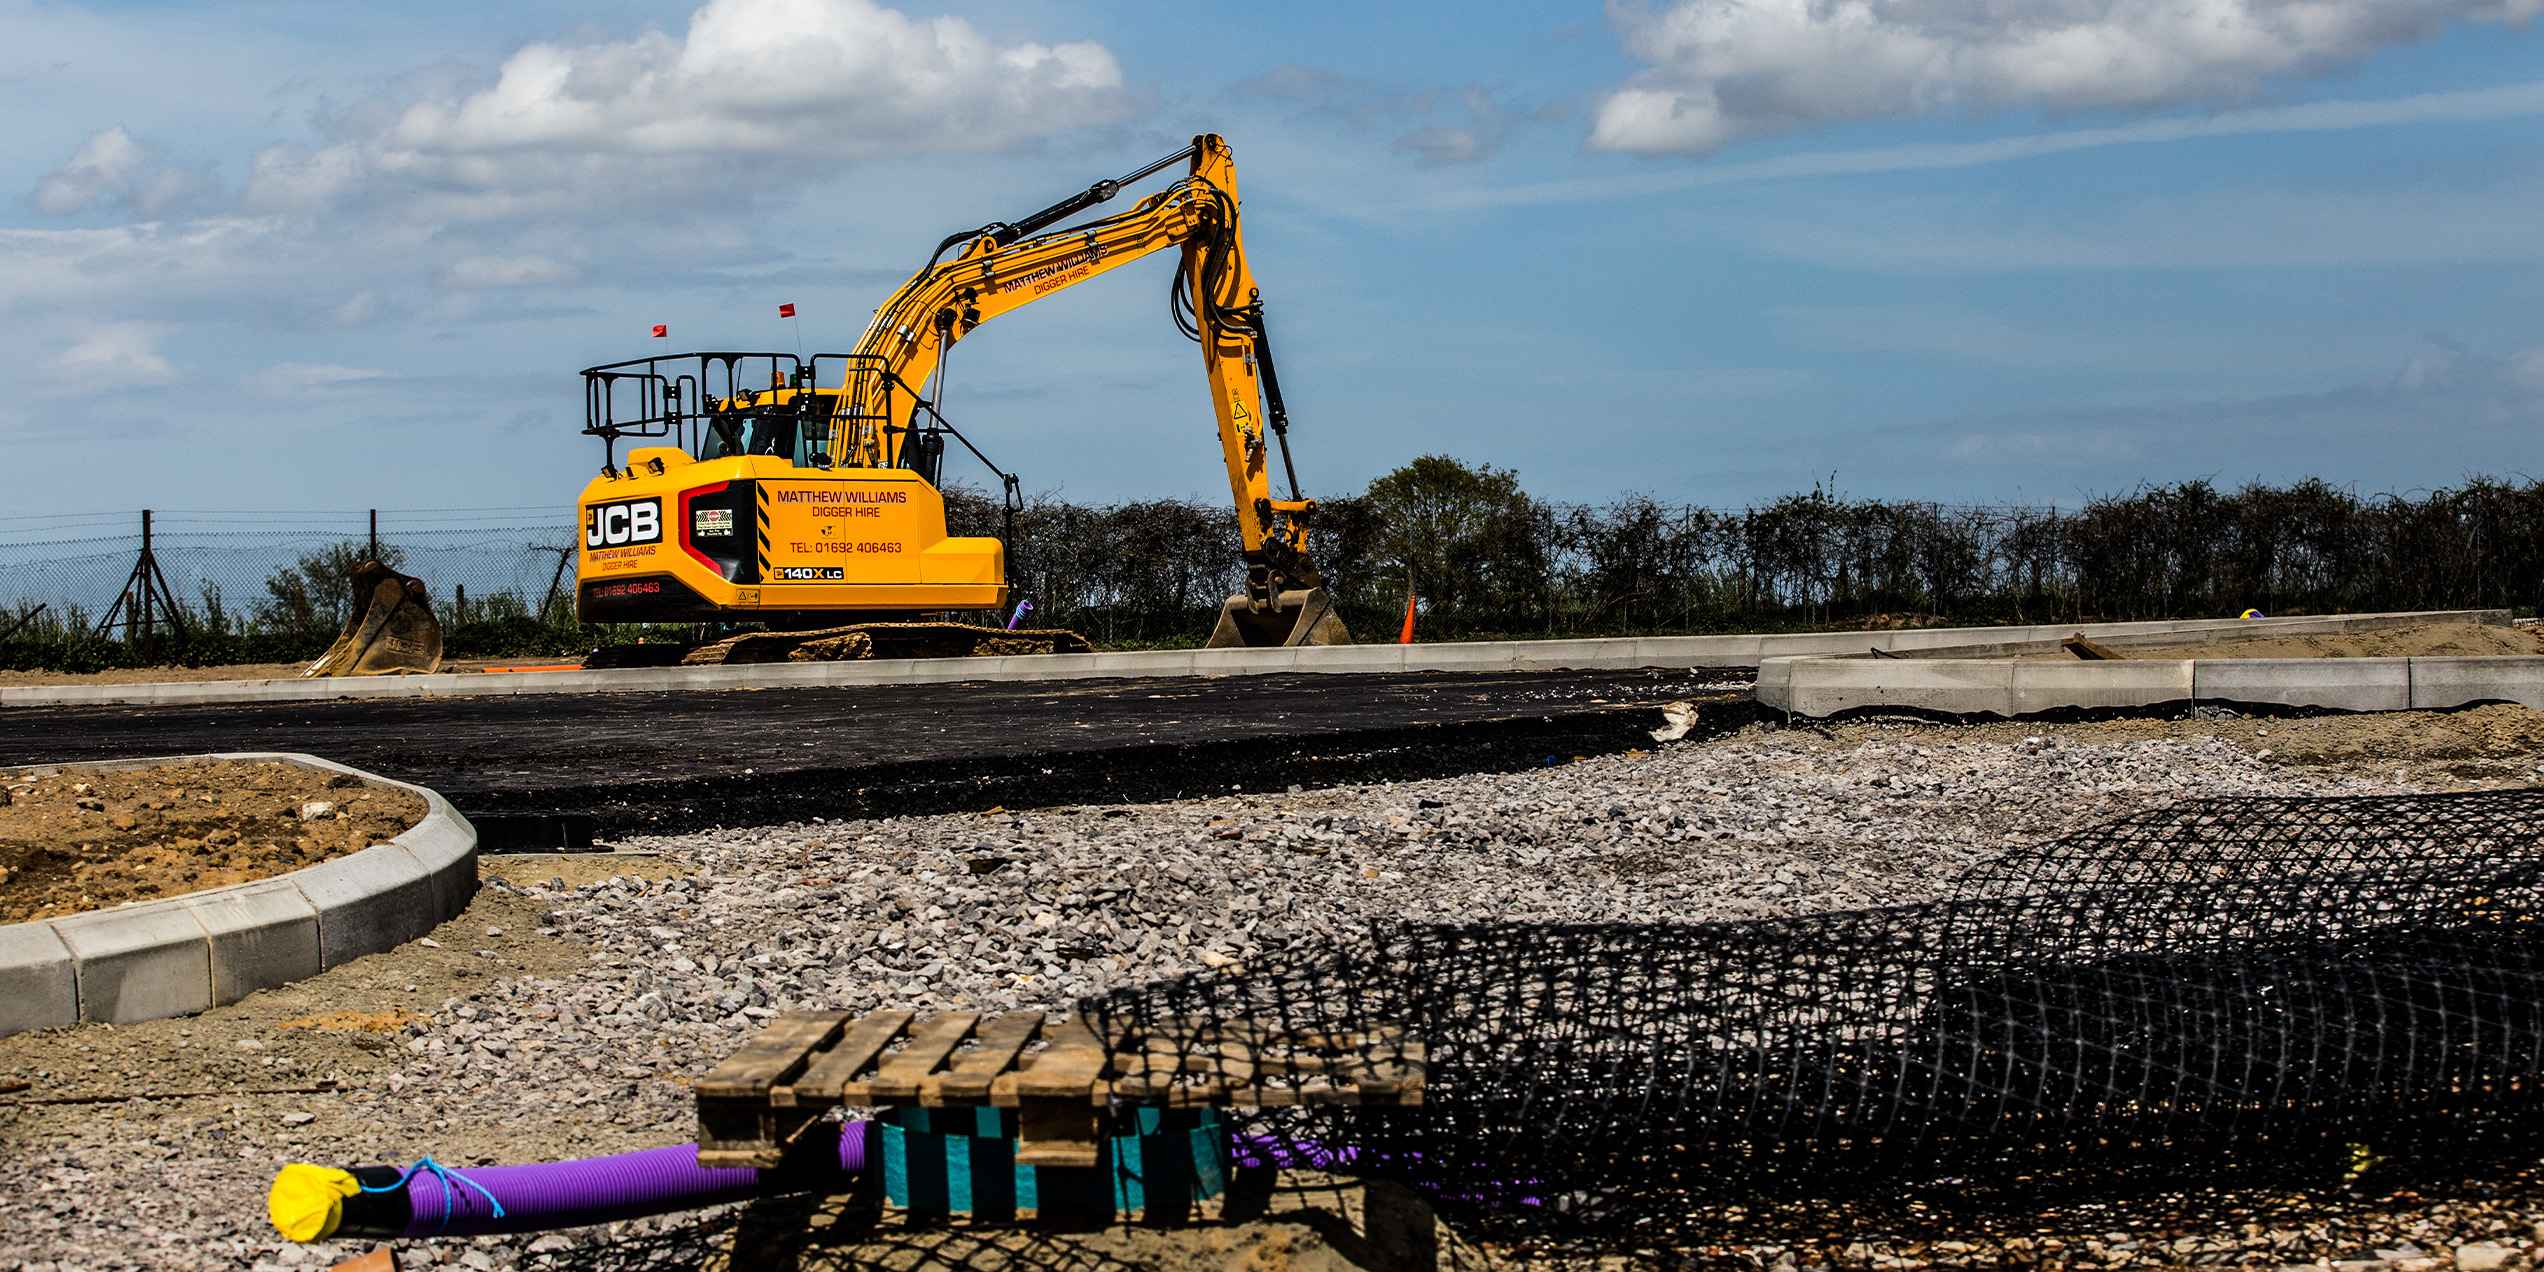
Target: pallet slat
point(899, 1076)
point(1068, 1067)
point(775, 1054)
point(1055, 1098)
point(829, 1075)
point(994, 1048)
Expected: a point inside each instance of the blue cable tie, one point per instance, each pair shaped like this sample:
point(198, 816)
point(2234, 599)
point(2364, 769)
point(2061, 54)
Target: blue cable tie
point(448, 1178)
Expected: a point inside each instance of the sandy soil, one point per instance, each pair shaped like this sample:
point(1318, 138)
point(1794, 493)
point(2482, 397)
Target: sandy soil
point(2428, 640)
point(239, 671)
point(74, 839)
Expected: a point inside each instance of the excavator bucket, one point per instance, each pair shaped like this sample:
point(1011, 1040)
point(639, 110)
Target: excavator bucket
point(391, 631)
point(1302, 617)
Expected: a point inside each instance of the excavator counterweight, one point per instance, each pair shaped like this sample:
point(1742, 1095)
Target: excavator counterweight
point(804, 492)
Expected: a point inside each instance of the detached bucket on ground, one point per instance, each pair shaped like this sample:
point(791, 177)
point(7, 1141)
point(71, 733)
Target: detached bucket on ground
point(390, 630)
point(1302, 617)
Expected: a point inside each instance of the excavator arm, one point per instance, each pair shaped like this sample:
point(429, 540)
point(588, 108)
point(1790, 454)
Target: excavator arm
point(980, 274)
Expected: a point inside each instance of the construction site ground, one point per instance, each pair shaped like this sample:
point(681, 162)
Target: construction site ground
point(75, 839)
point(555, 1018)
point(564, 1013)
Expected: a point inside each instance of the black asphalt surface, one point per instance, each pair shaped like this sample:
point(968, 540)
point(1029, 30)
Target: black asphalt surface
point(681, 761)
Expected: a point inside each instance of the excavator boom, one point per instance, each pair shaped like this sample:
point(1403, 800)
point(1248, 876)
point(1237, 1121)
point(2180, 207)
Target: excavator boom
point(819, 490)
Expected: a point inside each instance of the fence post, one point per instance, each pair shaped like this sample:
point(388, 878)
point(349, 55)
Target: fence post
point(375, 533)
point(145, 593)
point(146, 590)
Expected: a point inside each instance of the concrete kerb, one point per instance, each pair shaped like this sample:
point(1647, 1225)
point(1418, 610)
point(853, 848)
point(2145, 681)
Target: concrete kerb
point(2440, 683)
point(2336, 684)
point(39, 983)
point(1820, 687)
point(1618, 654)
point(205, 949)
point(2050, 686)
point(1975, 679)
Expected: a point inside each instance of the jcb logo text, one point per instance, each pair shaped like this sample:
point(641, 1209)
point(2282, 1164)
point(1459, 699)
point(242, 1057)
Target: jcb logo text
point(609, 525)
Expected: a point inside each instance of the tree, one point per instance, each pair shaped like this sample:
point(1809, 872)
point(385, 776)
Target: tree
point(1465, 539)
point(314, 595)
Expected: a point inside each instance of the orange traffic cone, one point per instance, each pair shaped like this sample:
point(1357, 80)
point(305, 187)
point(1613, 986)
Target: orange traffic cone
point(1407, 638)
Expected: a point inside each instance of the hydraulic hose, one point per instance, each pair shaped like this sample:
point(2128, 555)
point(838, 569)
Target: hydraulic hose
point(428, 1199)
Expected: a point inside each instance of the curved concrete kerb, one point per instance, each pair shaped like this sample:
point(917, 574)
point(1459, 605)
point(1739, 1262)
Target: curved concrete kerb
point(205, 949)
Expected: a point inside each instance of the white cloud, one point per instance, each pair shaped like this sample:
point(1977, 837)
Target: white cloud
point(166, 268)
point(2508, 101)
point(360, 309)
point(2295, 227)
point(753, 85)
point(105, 165)
point(115, 354)
point(116, 167)
point(1484, 124)
point(1727, 69)
point(477, 272)
point(311, 379)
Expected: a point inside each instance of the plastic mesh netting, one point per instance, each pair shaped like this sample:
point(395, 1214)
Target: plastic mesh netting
point(2260, 989)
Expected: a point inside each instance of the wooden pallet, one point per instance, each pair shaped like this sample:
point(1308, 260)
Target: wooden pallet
point(768, 1094)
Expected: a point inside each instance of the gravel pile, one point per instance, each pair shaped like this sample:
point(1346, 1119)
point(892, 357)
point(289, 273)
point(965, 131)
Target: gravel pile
point(669, 971)
point(1017, 909)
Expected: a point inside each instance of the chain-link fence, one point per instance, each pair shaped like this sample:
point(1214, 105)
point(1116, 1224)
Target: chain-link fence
point(264, 584)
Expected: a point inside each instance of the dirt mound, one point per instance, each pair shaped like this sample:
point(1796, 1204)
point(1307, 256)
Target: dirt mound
point(2421, 640)
point(390, 1021)
point(76, 839)
point(156, 675)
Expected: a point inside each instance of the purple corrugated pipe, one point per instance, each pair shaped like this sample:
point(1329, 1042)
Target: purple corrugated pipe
point(594, 1190)
point(1280, 1153)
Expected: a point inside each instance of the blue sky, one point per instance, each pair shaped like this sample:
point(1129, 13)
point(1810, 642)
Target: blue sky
point(280, 256)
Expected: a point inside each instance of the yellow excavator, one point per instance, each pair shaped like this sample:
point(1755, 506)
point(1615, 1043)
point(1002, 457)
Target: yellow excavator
point(803, 493)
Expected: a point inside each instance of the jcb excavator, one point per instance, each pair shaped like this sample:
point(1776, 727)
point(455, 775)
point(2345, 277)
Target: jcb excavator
point(803, 492)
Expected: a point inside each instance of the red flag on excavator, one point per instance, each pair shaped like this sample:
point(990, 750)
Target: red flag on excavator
point(661, 332)
point(786, 311)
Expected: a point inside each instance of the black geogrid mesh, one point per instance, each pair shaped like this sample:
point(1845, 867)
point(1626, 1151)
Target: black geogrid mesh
point(2259, 989)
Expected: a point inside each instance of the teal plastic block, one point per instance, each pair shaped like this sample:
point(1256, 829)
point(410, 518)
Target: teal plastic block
point(963, 1161)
